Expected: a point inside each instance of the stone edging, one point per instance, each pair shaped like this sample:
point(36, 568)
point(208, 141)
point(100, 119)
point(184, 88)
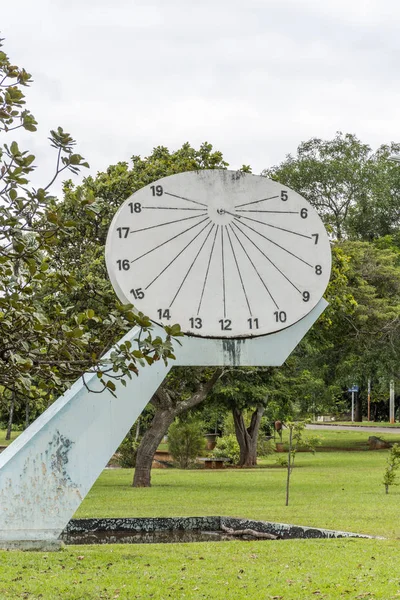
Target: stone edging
point(148, 525)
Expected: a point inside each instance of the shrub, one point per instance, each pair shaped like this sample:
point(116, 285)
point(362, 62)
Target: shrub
point(227, 447)
point(185, 441)
point(265, 447)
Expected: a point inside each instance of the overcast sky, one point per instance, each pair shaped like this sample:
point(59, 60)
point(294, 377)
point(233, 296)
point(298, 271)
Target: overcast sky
point(253, 77)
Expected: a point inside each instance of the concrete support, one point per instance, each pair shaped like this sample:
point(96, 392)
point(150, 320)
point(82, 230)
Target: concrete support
point(48, 470)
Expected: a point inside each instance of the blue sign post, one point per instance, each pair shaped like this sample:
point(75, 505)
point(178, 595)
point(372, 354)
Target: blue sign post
point(354, 389)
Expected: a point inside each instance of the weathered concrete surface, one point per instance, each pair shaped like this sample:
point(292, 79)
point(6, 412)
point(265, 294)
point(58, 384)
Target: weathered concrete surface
point(48, 470)
point(29, 545)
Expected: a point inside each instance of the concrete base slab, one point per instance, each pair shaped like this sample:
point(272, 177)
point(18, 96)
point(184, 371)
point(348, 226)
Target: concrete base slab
point(37, 545)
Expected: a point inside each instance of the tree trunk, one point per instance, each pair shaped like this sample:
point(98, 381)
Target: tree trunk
point(137, 434)
point(148, 446)
point(247, 437)
point(10, 417)
point(290, 465)
point(357, 408)
point(166, 412)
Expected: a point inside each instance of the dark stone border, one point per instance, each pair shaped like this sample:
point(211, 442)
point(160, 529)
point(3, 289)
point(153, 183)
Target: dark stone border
point(149, 525)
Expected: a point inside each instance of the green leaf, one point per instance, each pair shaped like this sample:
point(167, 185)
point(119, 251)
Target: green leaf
point(75, 159)
point(173, 330)
point(32, 266)
point(77, 332)
point(14, 149)
point(52, 217)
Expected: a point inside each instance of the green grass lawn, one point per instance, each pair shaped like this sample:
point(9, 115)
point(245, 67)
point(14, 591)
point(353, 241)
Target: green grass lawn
point(338, 490)
point(290, 570)
point(163, 447)
point(3, 441)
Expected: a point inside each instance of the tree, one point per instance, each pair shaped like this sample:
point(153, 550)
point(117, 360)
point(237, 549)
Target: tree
point(247, 436)
point(46, 341)
point(183, 389)
point(356, 338)
point(27, 234)
point(355, 190)
point(363, 342)
point(241, 390)
point(297, 439)
point(392, 466)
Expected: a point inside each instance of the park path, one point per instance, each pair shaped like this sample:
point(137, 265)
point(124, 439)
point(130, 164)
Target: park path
point(365, 428)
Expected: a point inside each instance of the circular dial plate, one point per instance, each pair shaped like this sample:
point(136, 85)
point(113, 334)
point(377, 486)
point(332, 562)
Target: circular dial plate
point(222, 253)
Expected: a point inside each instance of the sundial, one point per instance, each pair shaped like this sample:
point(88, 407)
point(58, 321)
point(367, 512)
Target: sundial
point(223, 253)
point(239, 261)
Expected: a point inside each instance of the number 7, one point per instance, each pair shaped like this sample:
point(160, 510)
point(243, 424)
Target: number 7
point(316, 236)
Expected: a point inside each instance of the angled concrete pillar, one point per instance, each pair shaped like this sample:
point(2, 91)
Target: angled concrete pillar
point(48, 470)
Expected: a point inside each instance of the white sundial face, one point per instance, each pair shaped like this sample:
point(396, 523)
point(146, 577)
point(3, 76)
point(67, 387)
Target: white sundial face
point(222, 253)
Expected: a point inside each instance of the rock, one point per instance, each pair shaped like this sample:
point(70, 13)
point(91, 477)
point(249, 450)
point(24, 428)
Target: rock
point(376, 443)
